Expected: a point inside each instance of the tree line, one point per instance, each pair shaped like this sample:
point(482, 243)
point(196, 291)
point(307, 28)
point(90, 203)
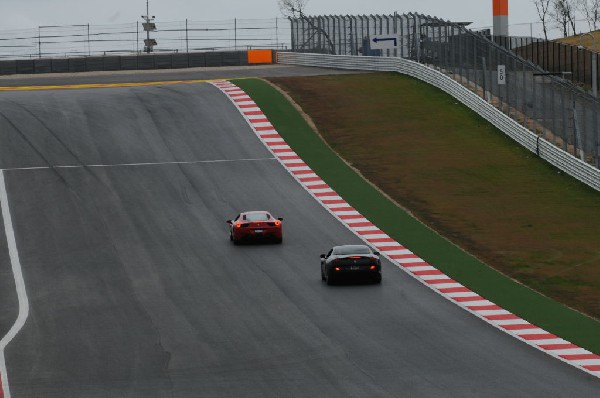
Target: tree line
point(564, 13)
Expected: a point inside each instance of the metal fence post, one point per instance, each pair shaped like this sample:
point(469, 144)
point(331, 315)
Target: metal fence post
point(584, 65)
point(460, 56)
point(409, 37)
point(362, 36)
point(501, 94)
point(507, 85)
point(563, 133)
point(357, 38)
point(576, 131)
point(595, 74)
point(524, 99)
point(484, 72)
point(418, 38)
point(553, 113)
point(454, 57)
point(403, 21)
point(351, 36)
point(584, 128)
point(392, 28)
point(467, 63)
point(535, 104)
point(341, 34)
point(395, 31)
point(319, 43)
point(325, 27)
point(446, 48)
point(475, 71)
point(597, 134)
point(294, 26)
point(437, 29)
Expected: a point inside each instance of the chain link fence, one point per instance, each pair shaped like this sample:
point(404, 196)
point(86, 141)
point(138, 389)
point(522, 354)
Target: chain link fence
point(572, 62)
point(548, 105)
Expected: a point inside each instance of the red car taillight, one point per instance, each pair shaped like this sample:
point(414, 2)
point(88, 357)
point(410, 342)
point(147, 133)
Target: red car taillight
point(238, 224)
point(277, 223)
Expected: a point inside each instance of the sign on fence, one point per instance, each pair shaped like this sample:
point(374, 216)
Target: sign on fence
point(384, 42)
point(502, 74)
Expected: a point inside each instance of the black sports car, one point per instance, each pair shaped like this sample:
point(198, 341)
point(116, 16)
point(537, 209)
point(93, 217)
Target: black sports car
point(350, 260)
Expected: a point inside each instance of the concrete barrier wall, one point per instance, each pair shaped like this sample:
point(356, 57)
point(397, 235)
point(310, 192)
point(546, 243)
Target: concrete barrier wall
point(134, 62)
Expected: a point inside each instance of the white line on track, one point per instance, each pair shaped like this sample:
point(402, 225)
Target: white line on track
point(19, 283)
point(80, 166)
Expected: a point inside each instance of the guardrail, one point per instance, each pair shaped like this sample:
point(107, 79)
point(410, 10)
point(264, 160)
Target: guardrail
point(571, 165)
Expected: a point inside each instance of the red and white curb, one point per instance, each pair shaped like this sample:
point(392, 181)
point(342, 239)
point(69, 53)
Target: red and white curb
point(398, 254)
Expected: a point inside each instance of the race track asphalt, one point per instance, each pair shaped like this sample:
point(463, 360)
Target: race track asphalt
point(136, 291)
point(226, 72)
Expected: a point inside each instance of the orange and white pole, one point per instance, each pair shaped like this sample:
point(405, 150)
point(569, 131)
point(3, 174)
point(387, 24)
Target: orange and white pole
point(500, 17)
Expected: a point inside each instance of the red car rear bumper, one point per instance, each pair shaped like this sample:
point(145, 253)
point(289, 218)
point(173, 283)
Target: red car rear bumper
point(240, 234)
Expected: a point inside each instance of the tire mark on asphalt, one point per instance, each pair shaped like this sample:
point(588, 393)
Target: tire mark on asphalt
point(57, 138)
point(32, 145)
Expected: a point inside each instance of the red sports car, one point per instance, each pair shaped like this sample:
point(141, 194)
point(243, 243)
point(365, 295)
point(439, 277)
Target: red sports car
point(255, 225)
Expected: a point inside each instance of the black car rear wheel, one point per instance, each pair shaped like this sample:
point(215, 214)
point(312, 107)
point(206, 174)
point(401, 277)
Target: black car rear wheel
point(377, 279)
point(329, 278)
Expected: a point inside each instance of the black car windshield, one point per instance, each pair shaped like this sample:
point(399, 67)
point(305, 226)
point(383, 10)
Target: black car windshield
point(257, 217)
point(347, 250)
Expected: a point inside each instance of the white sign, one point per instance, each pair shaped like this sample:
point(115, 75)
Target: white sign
point(502, 74)
point(385, 42)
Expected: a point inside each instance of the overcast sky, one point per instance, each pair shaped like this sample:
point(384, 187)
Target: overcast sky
point(16, 14)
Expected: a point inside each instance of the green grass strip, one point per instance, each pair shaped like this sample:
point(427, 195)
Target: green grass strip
point(426, 243)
